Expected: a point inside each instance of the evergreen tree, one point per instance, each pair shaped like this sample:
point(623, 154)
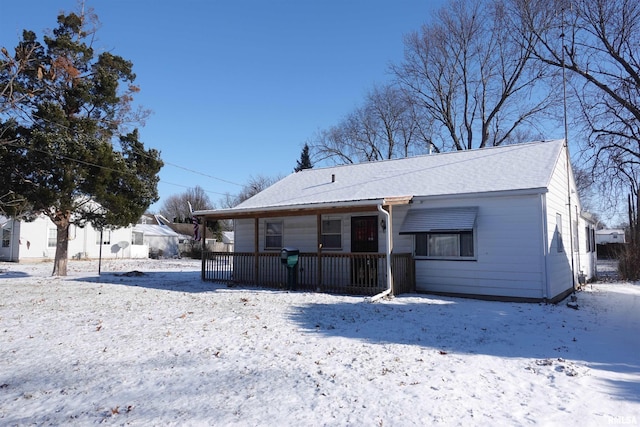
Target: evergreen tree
point(305, 160)
point(70, 155)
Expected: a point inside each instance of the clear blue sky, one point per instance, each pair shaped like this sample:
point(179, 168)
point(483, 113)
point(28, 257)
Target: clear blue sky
point(237, 87)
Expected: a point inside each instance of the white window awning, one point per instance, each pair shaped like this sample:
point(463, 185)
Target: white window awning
point(439, 220)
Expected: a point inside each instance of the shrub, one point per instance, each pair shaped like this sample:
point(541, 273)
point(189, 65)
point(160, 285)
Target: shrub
point(629, 262)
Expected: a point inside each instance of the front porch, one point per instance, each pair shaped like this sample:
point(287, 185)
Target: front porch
point(340, 273)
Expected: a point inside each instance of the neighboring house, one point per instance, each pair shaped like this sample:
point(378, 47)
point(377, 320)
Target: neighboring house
point(608, 236)
point(610, 243)
point(500, 223)
point(225, 245)
point(228, 240)
point(183, 229)
point(155, 232)
point(36, 240)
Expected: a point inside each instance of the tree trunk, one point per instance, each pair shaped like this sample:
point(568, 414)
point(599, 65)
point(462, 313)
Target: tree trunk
point(61, 220)
point(635, 225)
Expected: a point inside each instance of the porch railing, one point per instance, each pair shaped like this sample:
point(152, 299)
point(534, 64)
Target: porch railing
point(356, 274)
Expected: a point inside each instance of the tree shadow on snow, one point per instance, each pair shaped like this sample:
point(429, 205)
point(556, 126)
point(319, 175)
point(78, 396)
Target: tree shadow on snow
point(4, 274)
point(456, 325)
point(624, 390)
point(179, 281)
point(447, 324)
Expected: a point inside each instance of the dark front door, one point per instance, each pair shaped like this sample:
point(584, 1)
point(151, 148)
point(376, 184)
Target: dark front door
point(364, 238)
point(364, 234)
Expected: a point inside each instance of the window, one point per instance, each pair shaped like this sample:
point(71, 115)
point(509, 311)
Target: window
point(559, 244)
point(137, 238)
point(445, 245)
point(576, 237)
point(106, 237)
point(444, 233)
point(6, 237)
point(588, 242)
point(331, 234)
point(53, 238)
point(273, 235)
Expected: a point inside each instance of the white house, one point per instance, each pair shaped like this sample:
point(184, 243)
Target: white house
point(161, 240)
point(162, 237)
point(224, 245)
point(610, 235)
point(36, 240)
point(502, 223)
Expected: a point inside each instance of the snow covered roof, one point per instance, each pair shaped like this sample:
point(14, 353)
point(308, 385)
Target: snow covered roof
point(155, 230)
point(505, 168)
point(610, 231)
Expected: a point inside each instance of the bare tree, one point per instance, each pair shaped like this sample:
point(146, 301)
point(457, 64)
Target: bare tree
point(387, 126)
point(597, 43)
point(255, 185)
point(176, 207)
point(473, 76)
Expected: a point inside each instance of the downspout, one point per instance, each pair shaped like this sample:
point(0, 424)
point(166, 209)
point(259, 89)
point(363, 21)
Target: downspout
point(388, 251)
point(577, 249)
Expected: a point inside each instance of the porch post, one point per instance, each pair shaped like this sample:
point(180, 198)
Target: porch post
point(319, 252)
point(256, 240)
point(203, 248)
point(390, 240)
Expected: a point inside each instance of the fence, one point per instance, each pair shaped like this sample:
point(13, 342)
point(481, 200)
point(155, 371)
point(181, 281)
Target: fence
point(357, 274)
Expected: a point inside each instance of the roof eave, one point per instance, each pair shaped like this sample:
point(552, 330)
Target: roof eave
point(308, 209)
point(498, 193)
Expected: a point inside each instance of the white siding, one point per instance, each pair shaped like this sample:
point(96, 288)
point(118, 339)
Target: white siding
point(507, 245)
point(32, 242)
point(12, 228)
point(516, 243)
point(299, 232)
point(587, 259)
point(243, 231)
point(559, 263)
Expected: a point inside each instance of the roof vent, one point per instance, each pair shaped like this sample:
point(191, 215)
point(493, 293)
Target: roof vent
point(333, 177)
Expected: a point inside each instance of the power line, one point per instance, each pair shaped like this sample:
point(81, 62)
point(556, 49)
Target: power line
point(203, 174)
point(142, 153)
point(186, 186)
point(84, 162)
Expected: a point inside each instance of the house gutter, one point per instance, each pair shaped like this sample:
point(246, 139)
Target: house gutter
point(297, 207)
point(389, 278)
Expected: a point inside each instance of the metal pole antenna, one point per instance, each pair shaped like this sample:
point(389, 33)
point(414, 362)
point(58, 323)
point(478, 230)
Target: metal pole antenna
point(566, 147)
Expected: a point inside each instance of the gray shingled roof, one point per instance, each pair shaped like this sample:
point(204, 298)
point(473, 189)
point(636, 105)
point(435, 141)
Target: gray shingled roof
point(511, 167)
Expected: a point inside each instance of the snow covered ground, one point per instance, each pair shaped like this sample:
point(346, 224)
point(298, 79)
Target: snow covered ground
point(165, 348)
